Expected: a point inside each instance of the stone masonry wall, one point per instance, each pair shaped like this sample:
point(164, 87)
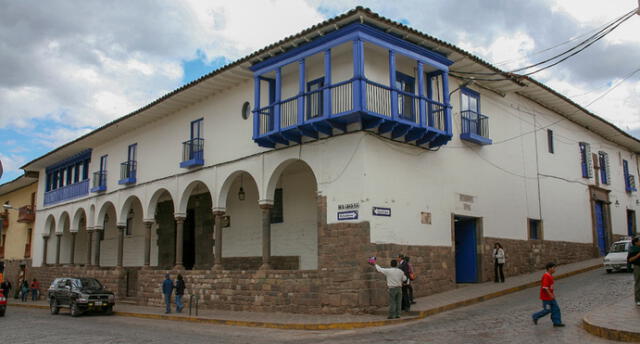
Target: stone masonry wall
point(112, 278)
point(526, 256)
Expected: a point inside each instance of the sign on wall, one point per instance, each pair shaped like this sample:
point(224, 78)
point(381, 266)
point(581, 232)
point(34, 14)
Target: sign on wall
point(347, 215)
point(379, 211)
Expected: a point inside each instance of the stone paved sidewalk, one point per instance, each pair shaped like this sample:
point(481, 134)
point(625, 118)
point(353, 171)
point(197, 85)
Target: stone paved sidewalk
point(459, 297)
point(619, 321)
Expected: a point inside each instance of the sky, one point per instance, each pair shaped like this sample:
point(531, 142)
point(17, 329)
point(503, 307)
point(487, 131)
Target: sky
point(68, 67)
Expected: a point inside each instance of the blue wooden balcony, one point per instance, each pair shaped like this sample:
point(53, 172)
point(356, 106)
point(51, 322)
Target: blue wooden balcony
point(66, 192)
point(128, 171)
point(99, 181)
point(322, 108)
point(475, 127)
point(192, 153)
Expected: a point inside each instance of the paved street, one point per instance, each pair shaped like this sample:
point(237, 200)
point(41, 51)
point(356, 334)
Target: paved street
point(502, 320)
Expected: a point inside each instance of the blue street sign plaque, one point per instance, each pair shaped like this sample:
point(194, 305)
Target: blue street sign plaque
point(347, 215)
point(379, 211)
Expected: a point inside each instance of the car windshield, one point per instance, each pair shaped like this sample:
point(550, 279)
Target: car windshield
point(89, 283)
point(619, 247)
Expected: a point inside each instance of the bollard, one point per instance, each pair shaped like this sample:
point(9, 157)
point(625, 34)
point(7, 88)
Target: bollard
point(190, 303)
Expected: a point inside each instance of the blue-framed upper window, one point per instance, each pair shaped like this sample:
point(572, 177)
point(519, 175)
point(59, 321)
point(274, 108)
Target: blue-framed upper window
point(475, 126)
point(314, 98)
point(469, 100)
point(129, 168)
point(196, 129)
point(406, 84)
point(103, 163)
point(603, 160)
point(629, 179)
point(585, 159)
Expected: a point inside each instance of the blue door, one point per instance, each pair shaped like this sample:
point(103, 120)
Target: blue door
point(602, 242)
point(466, 251)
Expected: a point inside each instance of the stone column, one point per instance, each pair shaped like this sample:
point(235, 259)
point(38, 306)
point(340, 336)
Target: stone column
point(266, 236)
point(72, 261)
point(45, 250)
point(90, 242)
point(217, 233)
point(121, 230)
point(179, 242)
point(97, 242)
point(147, 243)
point(58, 239)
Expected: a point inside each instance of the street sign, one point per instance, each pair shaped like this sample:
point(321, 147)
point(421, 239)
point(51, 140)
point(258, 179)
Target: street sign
point(347, 215)
point(379, 211)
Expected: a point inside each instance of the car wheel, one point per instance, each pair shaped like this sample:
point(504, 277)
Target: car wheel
point(75, 310)
point(53, 306)
point(609, 271)
point(2, 312)
point(108, 310)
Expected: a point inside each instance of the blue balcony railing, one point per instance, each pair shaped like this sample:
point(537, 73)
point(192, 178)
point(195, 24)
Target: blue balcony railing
point(67, 192)
point(192, 153)
point(128, 172)
point(99, 181)
point(475, 127)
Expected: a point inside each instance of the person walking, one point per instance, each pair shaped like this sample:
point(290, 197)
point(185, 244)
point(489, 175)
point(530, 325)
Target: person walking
point(167, 289)
point(35, 289)
point(498, 262)
point(24, 291)
point(633, 257)
point(180, 286)
point(394, 277)
point(548, 297)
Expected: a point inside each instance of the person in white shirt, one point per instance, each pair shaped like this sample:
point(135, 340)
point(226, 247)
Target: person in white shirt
point(498, 259)
point(395, 277)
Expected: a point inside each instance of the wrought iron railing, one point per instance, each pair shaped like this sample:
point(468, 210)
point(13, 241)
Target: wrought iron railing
point(128, 169)
point(475, 123)
point(193, 149)
point(289, 112)
point(378, 99)
point(265, 119)
point(26, 214)
point(436, 115)
point(341, 97)
point(314, 101)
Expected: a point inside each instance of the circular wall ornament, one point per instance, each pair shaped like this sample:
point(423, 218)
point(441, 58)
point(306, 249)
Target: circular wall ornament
point(246, 110)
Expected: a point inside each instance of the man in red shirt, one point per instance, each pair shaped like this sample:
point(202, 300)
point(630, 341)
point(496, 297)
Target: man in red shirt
point(548, 297)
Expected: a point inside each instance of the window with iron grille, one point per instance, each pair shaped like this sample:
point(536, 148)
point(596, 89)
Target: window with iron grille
point(585, 160)
point(603, 160)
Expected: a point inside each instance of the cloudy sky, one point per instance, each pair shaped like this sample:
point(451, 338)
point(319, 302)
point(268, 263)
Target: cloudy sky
point(67, 67)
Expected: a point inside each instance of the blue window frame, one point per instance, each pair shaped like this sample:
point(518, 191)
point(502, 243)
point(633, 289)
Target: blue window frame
point(103, 163)
point(196, 129)
point(603, 160)
point(314, 98)
point(534, 229)
point(470, 100)
point(585, 152)
point(128, 168)
point(406, 101)
point(131, 152)
point(629, 180)
point(63, 179)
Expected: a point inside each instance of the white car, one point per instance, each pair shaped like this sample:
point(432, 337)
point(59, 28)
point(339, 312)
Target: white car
point(617, 257)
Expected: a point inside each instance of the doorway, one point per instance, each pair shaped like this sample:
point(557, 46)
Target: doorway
point(466, 248)
point(600, 227)
point(631, 222)
point(189, 242)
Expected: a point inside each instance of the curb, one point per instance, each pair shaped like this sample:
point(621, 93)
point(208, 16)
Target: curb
point(338, 326)
point(609, 333)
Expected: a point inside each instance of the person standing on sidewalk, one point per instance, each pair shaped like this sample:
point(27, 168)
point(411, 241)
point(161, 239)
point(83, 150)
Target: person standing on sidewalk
point(180, 286)
point(35, 289)
point(548, 297)
point(395, 277)
point(402, 265)
point(498, 262)
point(167, 289)
point(24, 291)
point(634, 258)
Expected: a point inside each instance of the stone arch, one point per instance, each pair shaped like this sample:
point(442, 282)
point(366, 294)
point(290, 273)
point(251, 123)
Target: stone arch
point(188, 191)
point(77, 217)
point(228, 182)
point(49, 226)
point(102, 212)
point(91, 218)
point(277, 172)
point(150, 209)
point(62, 222)
point(124, 210)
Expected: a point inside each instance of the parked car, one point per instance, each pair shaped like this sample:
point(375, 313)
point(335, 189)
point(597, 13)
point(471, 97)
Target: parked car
point(617, 257)
point(3, 304)
point(80, 295)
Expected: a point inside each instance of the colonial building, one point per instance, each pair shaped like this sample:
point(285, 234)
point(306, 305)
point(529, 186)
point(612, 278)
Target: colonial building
point(268, 182)
point(17, 217)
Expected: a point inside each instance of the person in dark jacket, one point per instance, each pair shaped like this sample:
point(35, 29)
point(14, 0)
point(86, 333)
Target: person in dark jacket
point(406, 302)
point(167, 289)
point(180, 286)
point(6, 288)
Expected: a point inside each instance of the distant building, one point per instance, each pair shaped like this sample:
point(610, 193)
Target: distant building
point(17, 219)
point(269, 182)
